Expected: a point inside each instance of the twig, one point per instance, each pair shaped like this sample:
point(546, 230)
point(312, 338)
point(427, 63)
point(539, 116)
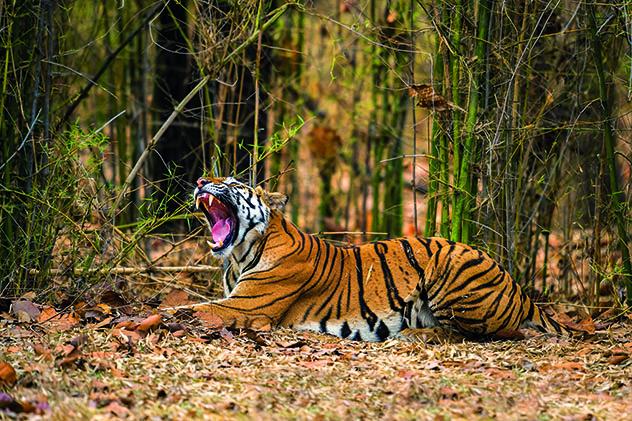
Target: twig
point(93, 82)
point(121, 270)
point(23, 141)
point(109, 121)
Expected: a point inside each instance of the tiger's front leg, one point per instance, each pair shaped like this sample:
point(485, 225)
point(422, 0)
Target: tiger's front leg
point(235, 314)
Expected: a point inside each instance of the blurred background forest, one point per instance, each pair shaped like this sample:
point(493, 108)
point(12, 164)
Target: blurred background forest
point(501, 124)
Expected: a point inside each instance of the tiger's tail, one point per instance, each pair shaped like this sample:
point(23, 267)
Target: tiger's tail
point(538, 319)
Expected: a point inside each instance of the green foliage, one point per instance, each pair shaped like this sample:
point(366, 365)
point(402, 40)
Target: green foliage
point(53, 214)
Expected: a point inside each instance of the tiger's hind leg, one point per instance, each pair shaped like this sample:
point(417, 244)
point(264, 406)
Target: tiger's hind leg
point(422, 325)
point(467, 291)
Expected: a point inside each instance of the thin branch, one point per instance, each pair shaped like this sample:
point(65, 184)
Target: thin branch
point(122, 270)
point(93, 82)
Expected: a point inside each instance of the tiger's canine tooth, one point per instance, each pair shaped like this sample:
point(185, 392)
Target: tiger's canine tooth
point(215, 245)
point(197, 202)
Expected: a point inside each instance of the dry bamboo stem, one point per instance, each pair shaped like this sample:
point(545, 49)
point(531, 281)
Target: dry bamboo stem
point(122, 270)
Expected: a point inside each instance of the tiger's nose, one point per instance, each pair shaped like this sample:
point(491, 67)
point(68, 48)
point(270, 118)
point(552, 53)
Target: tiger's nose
point(201, 182)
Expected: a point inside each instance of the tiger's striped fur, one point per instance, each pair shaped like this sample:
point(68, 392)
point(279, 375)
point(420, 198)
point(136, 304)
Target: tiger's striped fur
point(276, 274)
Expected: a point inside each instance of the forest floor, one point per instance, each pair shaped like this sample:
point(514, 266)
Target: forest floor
point(100, 364)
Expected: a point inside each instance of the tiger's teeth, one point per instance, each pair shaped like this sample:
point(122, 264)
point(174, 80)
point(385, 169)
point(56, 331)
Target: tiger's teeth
point(214, 245)
point(197, 202)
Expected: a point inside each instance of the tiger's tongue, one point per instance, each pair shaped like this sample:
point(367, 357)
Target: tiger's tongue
point(220, 230)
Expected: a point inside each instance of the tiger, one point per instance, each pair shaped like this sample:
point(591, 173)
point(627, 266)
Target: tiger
point(277, 275)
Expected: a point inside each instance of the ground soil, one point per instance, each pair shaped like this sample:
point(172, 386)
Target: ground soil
point(170, 369)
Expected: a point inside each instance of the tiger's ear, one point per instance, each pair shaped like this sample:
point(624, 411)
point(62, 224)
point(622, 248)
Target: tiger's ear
point(277, 201)
point(274, 200)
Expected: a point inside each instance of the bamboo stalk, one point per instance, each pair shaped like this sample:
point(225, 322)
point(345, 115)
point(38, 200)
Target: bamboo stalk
point(444, 147)
point(617, 198)
point(294, 147)
point(255, 142)
point(463, 192)
point(455, 73)
point(412, 110)
point(434, 163)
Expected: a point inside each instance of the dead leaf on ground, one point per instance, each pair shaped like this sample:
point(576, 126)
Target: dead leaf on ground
point(501, 374)
point(126, 337)
point(586, 325)
point(25, 311)
point(8, 376)
point(149, 323)
point(117, 409)
point(8, 402)
point(71, 352)
point(564, 365)
point(209, 320)
point(314, 364)
point(617, 359)
point(57, 322)
point(619, 355)
point(175, 298)
point(42, 351)
point(103, 323)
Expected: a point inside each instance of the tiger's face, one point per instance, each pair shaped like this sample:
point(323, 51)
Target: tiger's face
point(235, 212)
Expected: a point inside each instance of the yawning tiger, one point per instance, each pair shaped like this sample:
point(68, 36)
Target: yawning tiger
point(276, 274)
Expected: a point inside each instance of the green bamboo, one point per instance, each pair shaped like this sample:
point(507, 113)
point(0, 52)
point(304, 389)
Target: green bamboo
point(617, 198)
point(464, 193)
point(436, 139)
point(455, 73)
point(293, 149)
point(375, 142)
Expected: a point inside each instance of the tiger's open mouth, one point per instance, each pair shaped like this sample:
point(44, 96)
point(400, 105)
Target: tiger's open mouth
point(221, 220)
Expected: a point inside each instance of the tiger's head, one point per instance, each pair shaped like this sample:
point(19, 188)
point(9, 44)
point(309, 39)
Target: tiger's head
point(236, 213)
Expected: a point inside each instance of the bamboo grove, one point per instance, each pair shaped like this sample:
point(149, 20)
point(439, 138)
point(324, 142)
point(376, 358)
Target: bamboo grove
point(501, 124)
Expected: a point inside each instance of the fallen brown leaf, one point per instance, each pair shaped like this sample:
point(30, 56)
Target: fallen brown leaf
point(567, 365)
point(42, 351)
point(617, 359)
point(151, 322)
point(406, 374)
point(586, 325)
point(55, 321)
point(117, 409)
point(314, 364)
point(501, 374)
point(126, 324)
point(25, 311)
point(176, 297)
point(126, 336)
point(8, 376)
point(209, 320)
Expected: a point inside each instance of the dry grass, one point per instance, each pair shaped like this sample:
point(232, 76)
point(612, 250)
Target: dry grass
point(287, 375)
